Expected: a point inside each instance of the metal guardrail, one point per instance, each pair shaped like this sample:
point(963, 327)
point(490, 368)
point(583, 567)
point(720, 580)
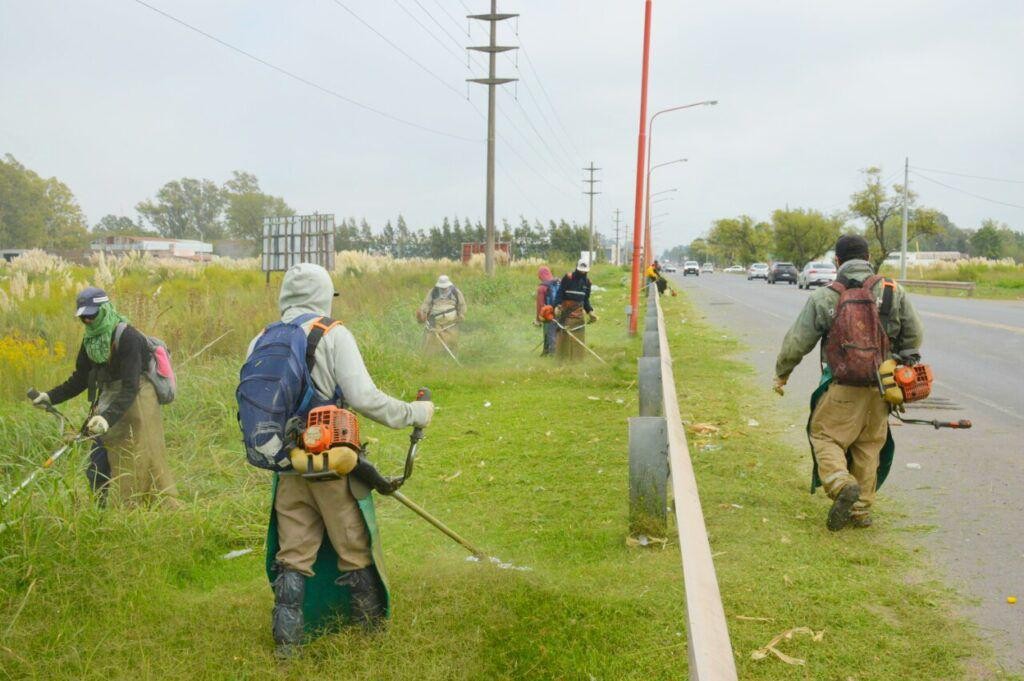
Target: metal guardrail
point(710, 650)
point(927, 285)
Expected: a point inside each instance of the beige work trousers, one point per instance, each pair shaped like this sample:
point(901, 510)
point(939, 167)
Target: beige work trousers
point(850, 418)
point(305, 509)
point(137, 452)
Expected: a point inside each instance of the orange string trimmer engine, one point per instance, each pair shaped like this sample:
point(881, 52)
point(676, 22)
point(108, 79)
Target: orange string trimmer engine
point(915, 382)
point(328, 427)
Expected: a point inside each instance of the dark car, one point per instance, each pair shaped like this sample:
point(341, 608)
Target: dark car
point(782, 271)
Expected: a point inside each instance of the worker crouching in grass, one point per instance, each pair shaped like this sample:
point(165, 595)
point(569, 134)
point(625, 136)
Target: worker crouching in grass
point(113, 365)
point(572, 312)
point(442, 311)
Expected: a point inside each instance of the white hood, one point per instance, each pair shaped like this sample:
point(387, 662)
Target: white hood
point(306, 289)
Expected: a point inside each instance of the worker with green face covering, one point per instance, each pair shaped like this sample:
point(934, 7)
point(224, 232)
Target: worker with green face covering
point(125, 415)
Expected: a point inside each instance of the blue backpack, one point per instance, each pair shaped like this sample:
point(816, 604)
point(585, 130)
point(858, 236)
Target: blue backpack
point(275, 386)
point(552, 294)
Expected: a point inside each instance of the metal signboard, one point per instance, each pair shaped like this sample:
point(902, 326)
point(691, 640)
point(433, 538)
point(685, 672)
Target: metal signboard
point(292, 239)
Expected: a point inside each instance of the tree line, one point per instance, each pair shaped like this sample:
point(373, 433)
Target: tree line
point(36, 212)
point(875, 211)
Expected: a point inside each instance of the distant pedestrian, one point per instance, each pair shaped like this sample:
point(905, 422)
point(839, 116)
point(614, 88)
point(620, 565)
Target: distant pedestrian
point(572, 311)
point(547, 292)
point(849, 424)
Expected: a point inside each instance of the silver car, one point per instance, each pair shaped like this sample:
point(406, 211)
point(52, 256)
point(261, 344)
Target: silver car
point(816, 274)
point(759, 270)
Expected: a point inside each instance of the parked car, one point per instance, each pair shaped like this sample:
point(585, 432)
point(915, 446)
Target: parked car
point(668, 267)
point(759, 270)
point(691, 267)
point(782, 271)
point(816, 274)
point(734, 269)
point(708, 267)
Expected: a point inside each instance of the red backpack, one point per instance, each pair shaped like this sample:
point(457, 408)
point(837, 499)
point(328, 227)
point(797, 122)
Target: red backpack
point(857, 342)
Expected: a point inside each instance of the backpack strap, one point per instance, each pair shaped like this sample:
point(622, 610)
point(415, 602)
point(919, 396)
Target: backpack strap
point(118, 332)
point(319, 329)
point(838, 286)
point(888, 292)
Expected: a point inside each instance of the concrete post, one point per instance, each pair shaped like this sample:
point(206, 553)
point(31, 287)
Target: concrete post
point(649, 384)
point(648, 475)
point(652, 345)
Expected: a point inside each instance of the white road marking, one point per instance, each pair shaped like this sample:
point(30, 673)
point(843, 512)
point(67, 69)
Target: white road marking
point(974, 322)
point(980, 400)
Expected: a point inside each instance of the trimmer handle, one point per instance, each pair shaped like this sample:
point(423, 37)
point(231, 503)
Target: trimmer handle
point(422, 395)
point(962, 423)
point(32, 393)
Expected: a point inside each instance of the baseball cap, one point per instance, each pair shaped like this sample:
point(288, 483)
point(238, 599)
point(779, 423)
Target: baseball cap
point(89, 301)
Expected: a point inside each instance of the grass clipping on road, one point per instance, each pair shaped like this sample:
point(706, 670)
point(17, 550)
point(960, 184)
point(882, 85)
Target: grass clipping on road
point(525, 458)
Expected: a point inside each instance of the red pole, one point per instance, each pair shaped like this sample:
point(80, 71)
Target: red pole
point(638, 210)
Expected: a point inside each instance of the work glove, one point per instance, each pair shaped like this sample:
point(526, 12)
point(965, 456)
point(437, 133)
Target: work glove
point(779, 384)
point(428, 407)
point(592, 317)
point(907, 357)
point(420, 316)
point(42, 401)
point(97, 425)
point(558, 311)
point(536, 322)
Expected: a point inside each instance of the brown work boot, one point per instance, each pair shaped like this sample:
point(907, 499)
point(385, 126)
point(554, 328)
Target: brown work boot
point(861, 521)
point(839, 514)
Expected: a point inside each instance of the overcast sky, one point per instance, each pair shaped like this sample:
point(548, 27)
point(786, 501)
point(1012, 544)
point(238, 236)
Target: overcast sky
point(115, 100)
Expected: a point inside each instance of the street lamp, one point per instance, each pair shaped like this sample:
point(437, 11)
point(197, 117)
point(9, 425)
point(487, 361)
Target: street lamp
point(650, 141)
point(647, 210)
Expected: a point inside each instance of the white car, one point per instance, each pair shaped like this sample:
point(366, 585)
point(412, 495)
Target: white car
point(816, 274)
point(691, 267)
point(668, 267)
point(735, 269)
point(759, 270)
point(708, 267)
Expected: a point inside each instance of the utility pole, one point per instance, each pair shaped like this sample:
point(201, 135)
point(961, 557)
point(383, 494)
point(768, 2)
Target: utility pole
point(903, 251)
point(491, 81)
point(616, 259)
point(591, 194)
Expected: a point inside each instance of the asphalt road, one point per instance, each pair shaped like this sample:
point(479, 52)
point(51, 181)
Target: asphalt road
point(970, 484)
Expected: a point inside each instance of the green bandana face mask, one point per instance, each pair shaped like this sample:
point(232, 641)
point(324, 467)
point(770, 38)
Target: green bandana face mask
point(100, 333)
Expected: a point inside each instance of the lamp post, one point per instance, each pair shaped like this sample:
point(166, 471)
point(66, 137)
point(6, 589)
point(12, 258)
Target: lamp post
point(650, 140)
point(647, 209)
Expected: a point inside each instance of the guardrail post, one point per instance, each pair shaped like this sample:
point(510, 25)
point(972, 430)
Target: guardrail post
point(648, 475)
point(648, 380)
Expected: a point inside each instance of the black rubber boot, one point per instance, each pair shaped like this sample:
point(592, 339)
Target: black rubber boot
point(289, 592)
point(839, 515)
point(367, 597)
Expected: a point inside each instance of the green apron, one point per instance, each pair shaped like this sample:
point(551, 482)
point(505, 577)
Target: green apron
point(327, 605)
point(885, 457)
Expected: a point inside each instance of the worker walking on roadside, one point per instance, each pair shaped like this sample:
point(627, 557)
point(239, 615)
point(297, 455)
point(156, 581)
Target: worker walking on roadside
point(326, 524)
point(112, 365)
point(442, 311)
point(572, 312)
point(547, 292)
point(860, 320)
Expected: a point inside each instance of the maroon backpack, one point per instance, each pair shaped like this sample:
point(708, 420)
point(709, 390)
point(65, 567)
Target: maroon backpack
point(857, 342)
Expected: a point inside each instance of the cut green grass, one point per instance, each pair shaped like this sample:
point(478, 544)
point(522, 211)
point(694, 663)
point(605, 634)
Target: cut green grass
point(526, 459)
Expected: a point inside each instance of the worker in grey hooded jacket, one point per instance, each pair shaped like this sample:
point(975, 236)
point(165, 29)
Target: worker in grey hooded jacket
point(306, 513)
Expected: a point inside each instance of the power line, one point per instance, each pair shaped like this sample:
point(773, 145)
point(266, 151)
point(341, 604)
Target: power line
point(304, 81)
point(399, 49)
point(434, 19)
point(543, 142)
point(964, 191)
point(452, 17)
point(540, 110)
point(540, 84)
point(426, 30)
point(976, 177)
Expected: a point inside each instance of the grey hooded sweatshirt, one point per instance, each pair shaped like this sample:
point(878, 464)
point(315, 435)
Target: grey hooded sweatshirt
point(308, 289)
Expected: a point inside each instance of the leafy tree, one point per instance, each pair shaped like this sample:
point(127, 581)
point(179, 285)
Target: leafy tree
point(118, 224)
point(882, 213)
point(187, 209)
point(247, 205)
point(803, 234)
point(988, 241)
point(37, 212)
point(740, 239)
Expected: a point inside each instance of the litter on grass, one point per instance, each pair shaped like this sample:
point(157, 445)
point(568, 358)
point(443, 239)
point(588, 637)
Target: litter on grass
point(710, 448)
point(487, 404)
point(753, 423)
point(643, 540)
point(237, 553)
point(452, 476)
point(770, 649)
